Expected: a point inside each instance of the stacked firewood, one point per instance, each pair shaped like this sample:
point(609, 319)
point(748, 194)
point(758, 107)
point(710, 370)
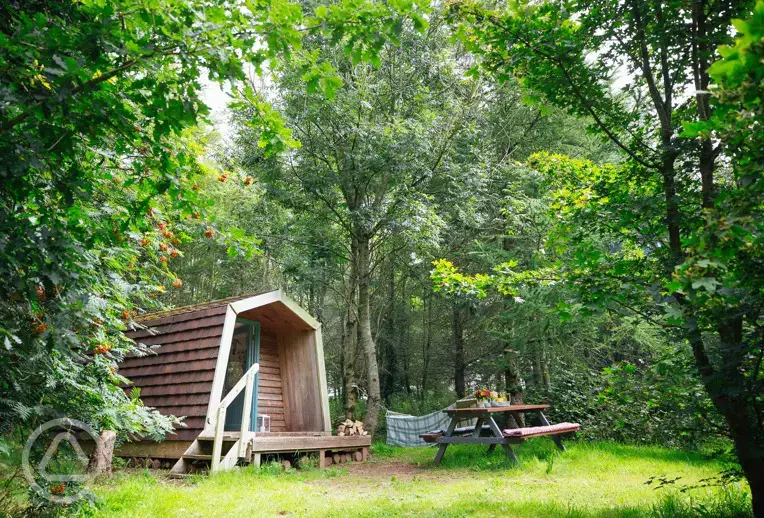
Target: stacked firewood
point(341, 457)
point(147, 462)
point(350, 427)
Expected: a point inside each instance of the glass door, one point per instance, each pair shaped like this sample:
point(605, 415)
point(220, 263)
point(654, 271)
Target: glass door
point(245, 352)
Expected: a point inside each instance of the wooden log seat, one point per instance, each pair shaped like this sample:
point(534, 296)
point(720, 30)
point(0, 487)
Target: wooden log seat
point(538, 431)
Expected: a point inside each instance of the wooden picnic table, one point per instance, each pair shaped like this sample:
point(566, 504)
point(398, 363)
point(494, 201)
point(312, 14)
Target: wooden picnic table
point(485, 416)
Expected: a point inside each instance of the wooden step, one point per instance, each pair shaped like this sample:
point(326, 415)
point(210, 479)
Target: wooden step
point(196, 456)
point(227, 437)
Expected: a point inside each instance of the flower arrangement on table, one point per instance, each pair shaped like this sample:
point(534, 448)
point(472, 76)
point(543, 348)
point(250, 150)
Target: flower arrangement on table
point(483, 395)
point(486, 397)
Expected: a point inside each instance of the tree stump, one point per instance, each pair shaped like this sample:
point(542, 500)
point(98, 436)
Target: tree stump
point(100, 460)
point(336, 458)
point(357, 456)
point(286, 464)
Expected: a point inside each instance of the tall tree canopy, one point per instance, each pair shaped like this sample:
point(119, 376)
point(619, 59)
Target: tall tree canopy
point(666, 234)
point(364, 159)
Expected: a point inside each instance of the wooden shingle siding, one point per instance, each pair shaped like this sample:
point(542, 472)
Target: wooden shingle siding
point(143, 334)
point(171, 357)
point(170, 368)
point(191, 334)
point(190, 399)
point(194, 423)
point(185, 388)
point(202, 343)
point(176, 378)
point(148, 320)
point(184, 434)
point(186, 410)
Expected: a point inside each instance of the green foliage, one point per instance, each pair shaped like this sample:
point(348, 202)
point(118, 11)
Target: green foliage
point(722, 273)
point(100, 182)
point(662, 402)
point(672, 233)
point(447, 277)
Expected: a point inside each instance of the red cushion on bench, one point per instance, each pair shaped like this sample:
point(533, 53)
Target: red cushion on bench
point(552, 429)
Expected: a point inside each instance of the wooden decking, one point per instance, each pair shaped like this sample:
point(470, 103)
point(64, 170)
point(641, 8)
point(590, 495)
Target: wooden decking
point(290, 442)
point(286, 444)
point(322, 444)
point(260, 444)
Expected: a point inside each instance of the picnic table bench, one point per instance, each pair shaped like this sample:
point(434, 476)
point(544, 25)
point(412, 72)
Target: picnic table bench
point(505, 437)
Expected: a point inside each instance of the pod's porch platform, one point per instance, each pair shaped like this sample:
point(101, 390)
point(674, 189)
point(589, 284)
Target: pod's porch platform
point(258, 444)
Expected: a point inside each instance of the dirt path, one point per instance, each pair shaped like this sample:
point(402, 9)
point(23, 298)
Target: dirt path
point(386, 469)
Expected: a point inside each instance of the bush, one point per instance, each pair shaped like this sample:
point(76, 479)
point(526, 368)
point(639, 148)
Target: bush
point(660, 402)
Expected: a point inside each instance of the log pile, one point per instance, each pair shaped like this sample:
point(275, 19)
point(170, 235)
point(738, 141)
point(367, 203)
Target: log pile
point(343, 457)
point(147, 462)
point(350, 428)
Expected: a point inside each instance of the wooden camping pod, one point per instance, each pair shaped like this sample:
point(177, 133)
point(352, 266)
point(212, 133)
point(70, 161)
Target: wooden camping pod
point(197, 353)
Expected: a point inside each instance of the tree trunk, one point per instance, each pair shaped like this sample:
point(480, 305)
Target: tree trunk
point(538, 379)
point(405, 363)
point(350, 336)
point(727, 390)
point(458, 331)
point(426, 342)
point(673, 216)
point(734, 401)
point(100, 460)
point(545, 375)
point(700, 63)
point(341, 361)
point(403, 333)
point(388, 344)
point(351, 346)
point(513, 386)
point(366, 338)
point(748, 437)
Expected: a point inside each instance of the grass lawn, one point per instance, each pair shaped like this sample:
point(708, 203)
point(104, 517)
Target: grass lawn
point(590, 479)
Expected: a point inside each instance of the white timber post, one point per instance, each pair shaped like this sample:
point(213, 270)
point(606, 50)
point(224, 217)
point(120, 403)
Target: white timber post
point(217, 446)
point(216, 393)
point(247, 410)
